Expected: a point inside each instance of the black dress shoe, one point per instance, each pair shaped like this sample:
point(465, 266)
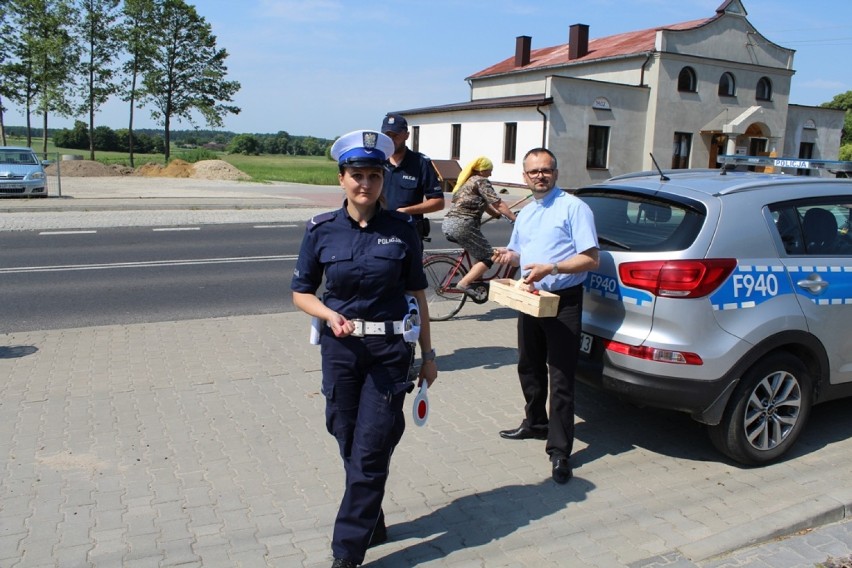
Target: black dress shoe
point(343, 563)
point(524, 433)
point(561, 470)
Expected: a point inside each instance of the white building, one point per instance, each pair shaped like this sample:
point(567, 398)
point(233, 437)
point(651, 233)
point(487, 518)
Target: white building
point(684, 92)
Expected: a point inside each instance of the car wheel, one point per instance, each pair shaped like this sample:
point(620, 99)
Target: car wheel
point(767, 411)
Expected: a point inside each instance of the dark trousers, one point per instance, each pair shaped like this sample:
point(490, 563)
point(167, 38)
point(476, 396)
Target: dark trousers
point(551, 344)
point(364, 382)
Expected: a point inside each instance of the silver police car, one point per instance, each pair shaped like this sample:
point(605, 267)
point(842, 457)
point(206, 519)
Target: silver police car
point(723, 294)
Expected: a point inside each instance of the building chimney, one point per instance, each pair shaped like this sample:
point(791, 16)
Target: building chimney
point(522, 50)
point(578, 41)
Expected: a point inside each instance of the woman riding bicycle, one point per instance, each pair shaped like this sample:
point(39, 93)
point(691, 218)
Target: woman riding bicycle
point(474, 195)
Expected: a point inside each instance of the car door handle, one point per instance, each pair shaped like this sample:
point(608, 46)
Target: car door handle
point(814, 283)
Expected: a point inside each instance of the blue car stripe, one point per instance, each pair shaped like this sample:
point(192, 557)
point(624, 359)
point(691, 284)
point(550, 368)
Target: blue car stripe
point(751, 285)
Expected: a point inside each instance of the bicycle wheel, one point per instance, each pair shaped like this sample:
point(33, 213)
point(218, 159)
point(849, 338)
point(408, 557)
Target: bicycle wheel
point(443, 299)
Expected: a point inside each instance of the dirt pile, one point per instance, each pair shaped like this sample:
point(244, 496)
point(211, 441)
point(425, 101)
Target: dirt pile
point(175, 169)
point(87, 168)
point(205, 169)
point(218, 169)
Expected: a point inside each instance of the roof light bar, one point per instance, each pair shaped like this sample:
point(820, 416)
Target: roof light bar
point(798, 163)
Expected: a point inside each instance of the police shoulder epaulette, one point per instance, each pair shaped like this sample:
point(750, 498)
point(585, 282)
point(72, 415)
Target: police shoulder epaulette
point(317, 220)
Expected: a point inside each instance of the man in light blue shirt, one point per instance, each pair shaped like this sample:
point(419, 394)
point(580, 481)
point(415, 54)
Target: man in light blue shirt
point(555, 244)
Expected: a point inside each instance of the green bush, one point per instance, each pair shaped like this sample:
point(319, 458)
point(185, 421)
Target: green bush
point(244, 144)
point(846, 152)
point(76, 138)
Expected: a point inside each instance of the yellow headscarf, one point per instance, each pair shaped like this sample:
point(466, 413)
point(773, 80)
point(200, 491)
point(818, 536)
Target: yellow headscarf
point(480, 164)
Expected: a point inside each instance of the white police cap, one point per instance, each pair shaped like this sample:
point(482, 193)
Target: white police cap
point(362, 148)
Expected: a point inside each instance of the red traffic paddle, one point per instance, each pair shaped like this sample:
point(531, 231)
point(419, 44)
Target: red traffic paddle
point(420, 408)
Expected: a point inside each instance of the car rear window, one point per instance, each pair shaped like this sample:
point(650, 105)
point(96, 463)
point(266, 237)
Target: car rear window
point(637, 223)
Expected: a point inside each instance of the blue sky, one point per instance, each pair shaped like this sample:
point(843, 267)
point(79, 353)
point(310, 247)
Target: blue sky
point(326, 67)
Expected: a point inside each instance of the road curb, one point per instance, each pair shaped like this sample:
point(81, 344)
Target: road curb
point(784, 523)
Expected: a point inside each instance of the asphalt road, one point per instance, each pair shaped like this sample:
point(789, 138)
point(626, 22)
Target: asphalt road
point(69, 278)
point(64, 279)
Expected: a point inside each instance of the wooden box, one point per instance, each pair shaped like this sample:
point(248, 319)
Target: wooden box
point(448, 172)
point(541, 305)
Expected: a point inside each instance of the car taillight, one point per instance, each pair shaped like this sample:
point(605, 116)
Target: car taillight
point(677, 278)
point(654, 354)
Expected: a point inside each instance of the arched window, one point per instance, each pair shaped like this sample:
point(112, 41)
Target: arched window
point(764, 89)
point(727, 85)
point(686, 80)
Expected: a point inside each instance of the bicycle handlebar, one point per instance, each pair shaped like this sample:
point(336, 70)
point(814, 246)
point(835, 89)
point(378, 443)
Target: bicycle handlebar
point(519, 201)
point(502, 216)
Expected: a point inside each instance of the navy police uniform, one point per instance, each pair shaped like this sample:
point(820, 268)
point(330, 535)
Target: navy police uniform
point(412, 180)
point(367, 271)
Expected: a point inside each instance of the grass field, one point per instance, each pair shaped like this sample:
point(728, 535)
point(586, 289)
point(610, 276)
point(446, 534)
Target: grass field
point(315, 170)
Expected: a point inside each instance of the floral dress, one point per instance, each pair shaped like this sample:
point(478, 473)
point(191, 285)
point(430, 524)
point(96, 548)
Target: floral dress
point(461, 223)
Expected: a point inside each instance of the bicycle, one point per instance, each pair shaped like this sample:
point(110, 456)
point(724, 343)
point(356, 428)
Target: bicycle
point(444, 268)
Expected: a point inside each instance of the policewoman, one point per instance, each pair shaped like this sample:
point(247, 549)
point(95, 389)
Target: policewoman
point(371, 259)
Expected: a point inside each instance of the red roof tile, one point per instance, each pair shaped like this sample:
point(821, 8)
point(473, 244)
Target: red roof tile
point(629, 43)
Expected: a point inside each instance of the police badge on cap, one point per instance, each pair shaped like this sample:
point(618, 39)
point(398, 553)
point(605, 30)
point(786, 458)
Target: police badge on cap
point(362, 148)
point(394, 123)
point(369, 139)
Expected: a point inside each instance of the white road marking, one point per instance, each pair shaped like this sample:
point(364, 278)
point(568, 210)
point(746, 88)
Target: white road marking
point(177, 229)
point(148, 264)
point(160, 229)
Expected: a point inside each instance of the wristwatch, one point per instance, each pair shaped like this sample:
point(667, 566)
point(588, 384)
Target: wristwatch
point(555, 270)
point(427, 356)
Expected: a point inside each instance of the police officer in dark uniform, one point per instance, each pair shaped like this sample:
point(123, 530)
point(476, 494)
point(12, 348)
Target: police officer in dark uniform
point(411, 184)
point(371, 259)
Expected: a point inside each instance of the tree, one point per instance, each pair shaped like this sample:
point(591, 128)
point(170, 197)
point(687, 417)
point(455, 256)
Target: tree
point(76, 138)
point(98, 29)
point(843, 101)
point(312, 147)
point(277, 143)
point(244, 144)
point(104, 139)
point(7, 31)
point(186, 72)
point(135, 33)
point(16, 76)
point(143, 143)
point(45, 53)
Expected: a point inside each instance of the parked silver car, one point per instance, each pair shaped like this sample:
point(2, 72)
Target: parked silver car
point(21, 173)
point(723, 294)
